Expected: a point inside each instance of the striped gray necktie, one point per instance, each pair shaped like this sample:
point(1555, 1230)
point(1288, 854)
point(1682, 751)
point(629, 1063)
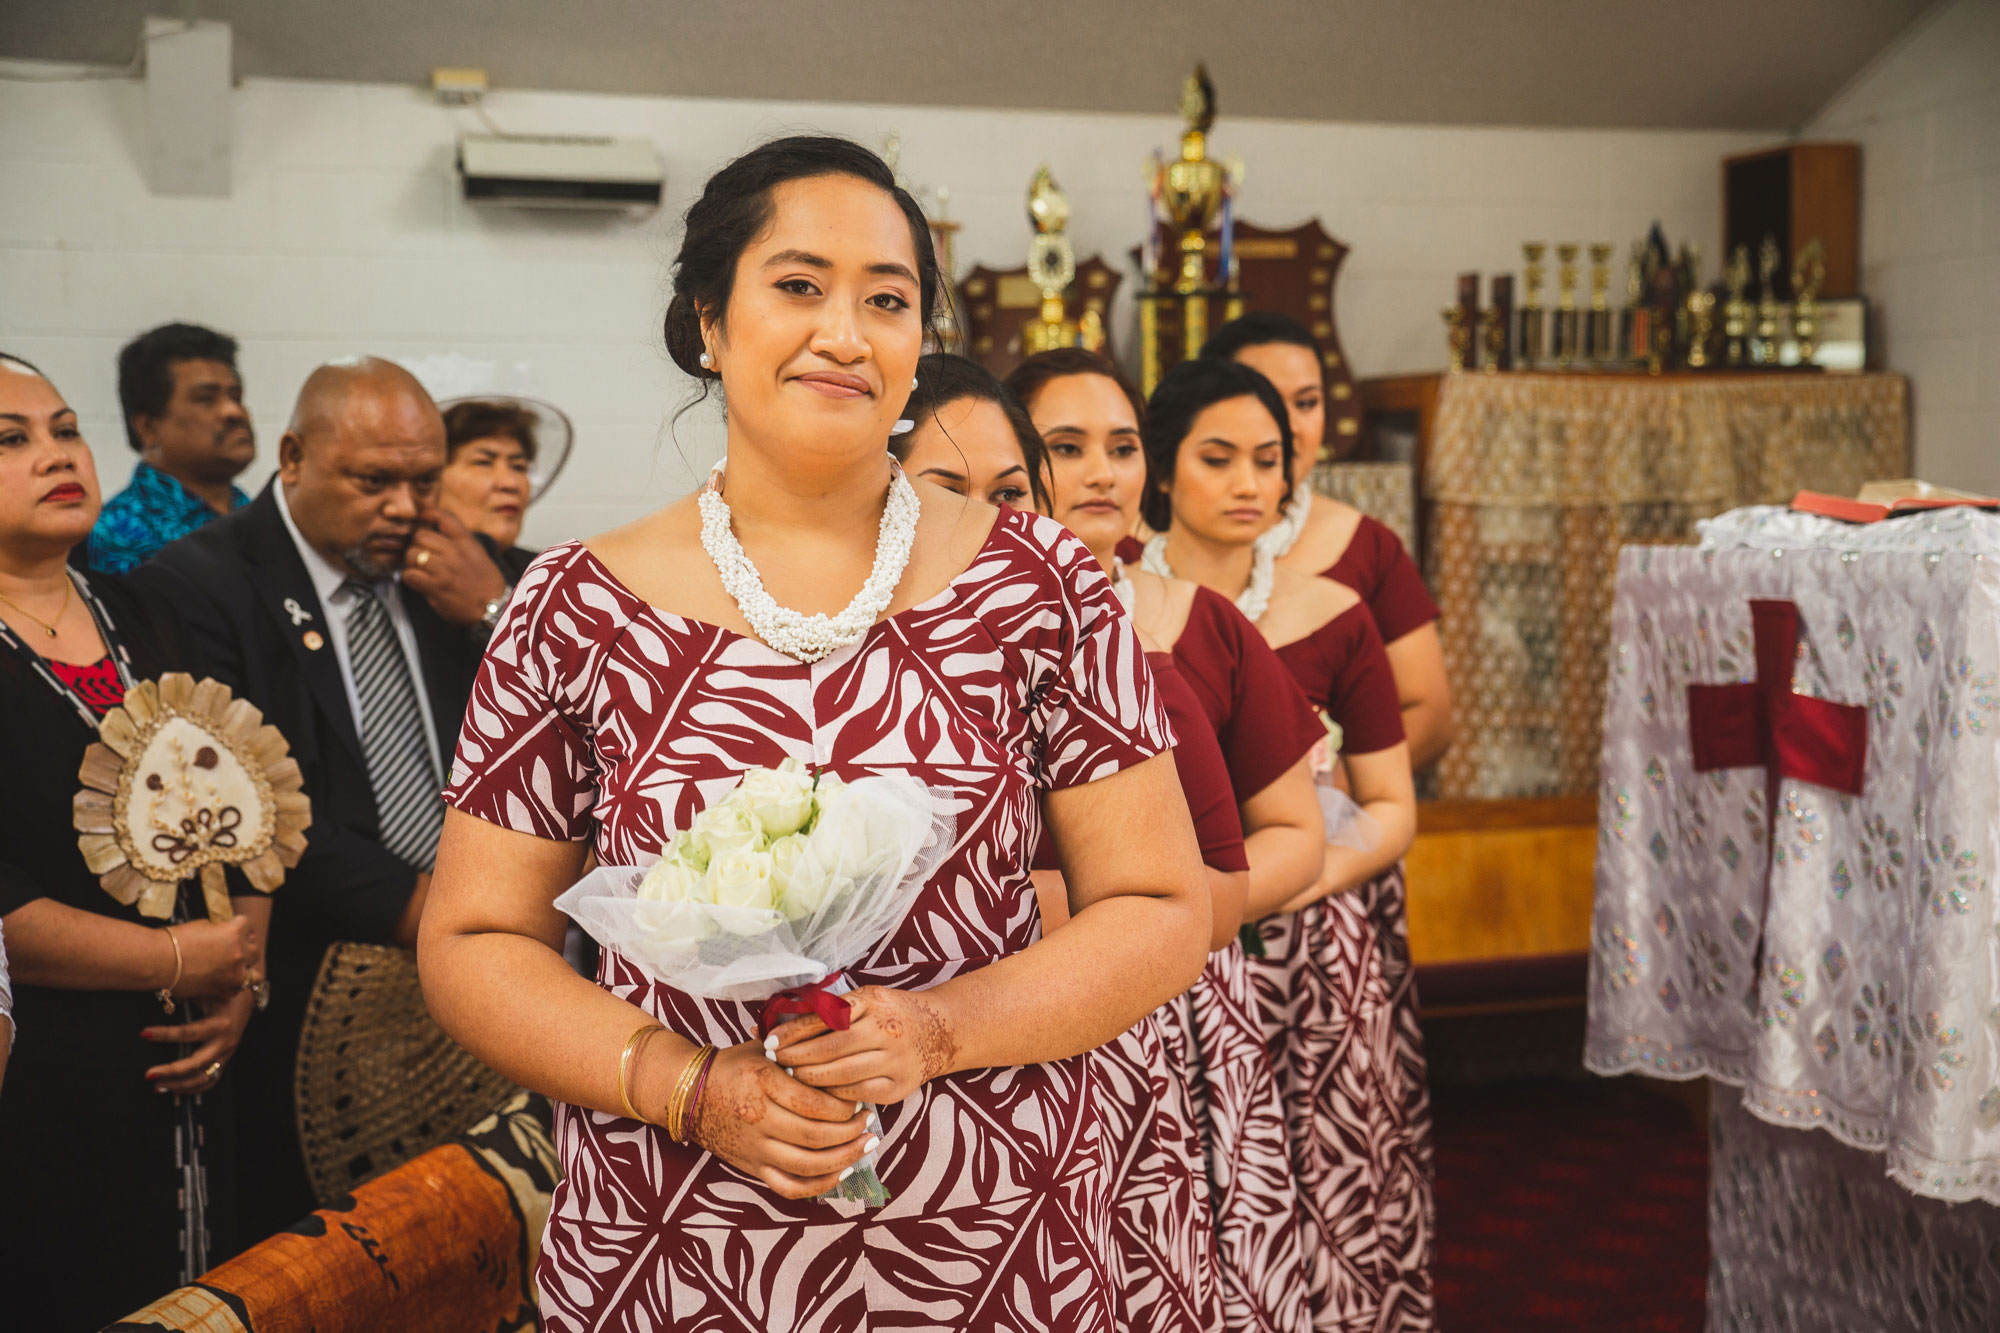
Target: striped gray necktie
point(409, 809)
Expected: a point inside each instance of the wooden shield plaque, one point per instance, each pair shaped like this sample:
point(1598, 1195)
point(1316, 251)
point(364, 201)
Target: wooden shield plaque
point(1292, 272)
point(996, 303)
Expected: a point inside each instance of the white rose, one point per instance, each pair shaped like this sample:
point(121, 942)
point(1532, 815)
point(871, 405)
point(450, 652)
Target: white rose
point(802, 885)
point(844, 842)
point(781, 797)
point(728, 826)
point(741, 879)
point(670, 881)
point(688, 850)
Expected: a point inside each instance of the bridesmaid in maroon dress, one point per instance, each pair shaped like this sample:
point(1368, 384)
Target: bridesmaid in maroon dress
point(971, 436)
point(1324, 536)
point(635, 678)
point(1089, 415)
point(1336, 979)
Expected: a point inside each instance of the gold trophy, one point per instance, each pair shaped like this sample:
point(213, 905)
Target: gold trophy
point(1597, 327)
point(1701, 327)
point(1493, 336)
point(1458, 335)
point(1808, 272)
point(1193, 190)
point(944, 232)
point(1633, 331)
point(1736, 311)
point(1530, 318)
point(1765, 350)
point(1051, 265)
point(1569, 345)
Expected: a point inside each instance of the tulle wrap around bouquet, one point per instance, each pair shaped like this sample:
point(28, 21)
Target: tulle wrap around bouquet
point(771, 891)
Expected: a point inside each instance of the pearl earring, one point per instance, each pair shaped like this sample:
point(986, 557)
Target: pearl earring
point(914, 381)
point(707, 361)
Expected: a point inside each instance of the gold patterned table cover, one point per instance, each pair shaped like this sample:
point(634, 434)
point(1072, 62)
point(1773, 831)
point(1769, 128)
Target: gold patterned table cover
point(1535, 481)
point(1386, 492)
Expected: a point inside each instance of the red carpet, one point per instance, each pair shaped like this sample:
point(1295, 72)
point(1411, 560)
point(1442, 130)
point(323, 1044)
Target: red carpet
point(1569, 1205)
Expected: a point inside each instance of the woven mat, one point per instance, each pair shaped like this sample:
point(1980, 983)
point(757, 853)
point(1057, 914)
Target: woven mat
point(378, 1082)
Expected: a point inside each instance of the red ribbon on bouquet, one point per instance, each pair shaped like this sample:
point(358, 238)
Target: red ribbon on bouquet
point(801, 1001)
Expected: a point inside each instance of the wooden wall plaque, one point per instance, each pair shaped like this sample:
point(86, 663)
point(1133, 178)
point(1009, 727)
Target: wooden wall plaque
point(1291, 272)
point(995, 304)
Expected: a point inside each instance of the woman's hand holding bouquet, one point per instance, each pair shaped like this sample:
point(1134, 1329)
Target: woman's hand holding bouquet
point(765, 897)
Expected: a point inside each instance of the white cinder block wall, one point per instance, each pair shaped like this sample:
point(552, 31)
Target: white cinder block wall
point(345, 233)
point(1927, 114)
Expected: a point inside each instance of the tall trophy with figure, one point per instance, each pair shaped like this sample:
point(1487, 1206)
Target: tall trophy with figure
point(1052, 268)
point(1194, 193)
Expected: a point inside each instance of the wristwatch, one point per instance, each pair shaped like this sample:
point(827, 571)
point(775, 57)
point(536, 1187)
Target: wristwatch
point(491, 615)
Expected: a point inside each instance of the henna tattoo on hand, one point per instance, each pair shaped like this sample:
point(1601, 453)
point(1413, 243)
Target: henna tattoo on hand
point(936, 1048)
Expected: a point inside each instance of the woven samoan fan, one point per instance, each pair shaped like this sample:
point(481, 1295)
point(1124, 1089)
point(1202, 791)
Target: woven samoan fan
point(185, 779)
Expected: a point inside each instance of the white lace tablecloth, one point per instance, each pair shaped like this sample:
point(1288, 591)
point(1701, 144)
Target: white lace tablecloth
point(1876, 1012)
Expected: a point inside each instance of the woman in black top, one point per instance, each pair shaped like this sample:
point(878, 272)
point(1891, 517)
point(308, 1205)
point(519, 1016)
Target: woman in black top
point(114, 1141)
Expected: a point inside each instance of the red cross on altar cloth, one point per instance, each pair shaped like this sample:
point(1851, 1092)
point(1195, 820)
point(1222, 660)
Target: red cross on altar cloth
point(1763, 723)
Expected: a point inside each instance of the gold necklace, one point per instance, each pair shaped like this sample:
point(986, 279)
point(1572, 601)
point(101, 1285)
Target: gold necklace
point(49, 625)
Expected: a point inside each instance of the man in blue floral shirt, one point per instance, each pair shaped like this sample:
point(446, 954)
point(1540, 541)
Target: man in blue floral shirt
point(184, 416)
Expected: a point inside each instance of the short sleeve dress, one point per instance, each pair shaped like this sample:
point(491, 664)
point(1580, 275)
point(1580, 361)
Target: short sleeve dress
point(1339, 1009)
point(599, 718)
point(1263, 726)
point(1376, 565)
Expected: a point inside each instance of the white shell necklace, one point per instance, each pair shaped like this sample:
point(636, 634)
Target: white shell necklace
point(1284, 534)
point(793, 633)
point(1255, 599)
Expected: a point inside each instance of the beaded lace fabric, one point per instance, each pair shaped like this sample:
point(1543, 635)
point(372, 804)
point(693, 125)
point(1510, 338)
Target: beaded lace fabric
point(1808, 1235)
point(1873, 1014)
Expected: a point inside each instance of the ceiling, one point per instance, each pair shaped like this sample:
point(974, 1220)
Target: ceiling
point(1725, 64)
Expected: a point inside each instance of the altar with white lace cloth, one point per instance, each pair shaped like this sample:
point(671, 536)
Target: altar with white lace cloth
point(1799, 821)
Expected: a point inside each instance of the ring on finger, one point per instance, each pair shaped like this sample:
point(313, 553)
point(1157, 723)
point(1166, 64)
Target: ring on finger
point(213, 1071)
point(423, 558)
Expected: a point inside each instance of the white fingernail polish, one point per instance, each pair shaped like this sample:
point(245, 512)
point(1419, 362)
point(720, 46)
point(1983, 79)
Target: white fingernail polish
point(872, 1144)
point(846, 1171)
point(771, 1042)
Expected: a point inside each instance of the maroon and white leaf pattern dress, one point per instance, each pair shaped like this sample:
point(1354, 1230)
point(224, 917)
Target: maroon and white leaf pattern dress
point(599, 717)
point(1263, 726)
point(1338, 999)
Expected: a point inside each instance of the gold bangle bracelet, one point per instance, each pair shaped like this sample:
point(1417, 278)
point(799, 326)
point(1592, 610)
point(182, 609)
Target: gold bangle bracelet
point(166, 992)
point(677, 1104)
point(632, 1044)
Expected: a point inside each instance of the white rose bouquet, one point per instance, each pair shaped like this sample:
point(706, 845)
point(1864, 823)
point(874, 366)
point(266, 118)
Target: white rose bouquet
point(771, 891)
point(1347, 824)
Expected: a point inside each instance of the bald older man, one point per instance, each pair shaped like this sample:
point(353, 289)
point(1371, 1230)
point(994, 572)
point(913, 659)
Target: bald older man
point(300, 602)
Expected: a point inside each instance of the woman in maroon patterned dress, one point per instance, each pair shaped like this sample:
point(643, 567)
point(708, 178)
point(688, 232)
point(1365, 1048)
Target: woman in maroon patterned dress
point(1336, 979)
point(637, 677)
point(1339, 542)
point(1089, 417)
point(971, 436)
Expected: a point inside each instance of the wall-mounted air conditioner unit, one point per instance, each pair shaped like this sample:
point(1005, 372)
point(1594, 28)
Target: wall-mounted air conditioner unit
point(560, 171)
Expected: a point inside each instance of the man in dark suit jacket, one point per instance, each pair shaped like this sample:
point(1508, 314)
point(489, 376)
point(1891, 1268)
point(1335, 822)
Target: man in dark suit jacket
point(296, 602)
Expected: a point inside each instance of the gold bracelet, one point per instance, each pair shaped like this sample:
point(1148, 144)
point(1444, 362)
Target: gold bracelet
point(166, 992)
point(677, 1104)
point(632, 1044)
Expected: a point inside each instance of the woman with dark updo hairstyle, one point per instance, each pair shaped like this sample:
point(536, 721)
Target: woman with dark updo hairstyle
point(1333, 539)
point(637, 676)
point(1334, 987)
point(969, 435)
